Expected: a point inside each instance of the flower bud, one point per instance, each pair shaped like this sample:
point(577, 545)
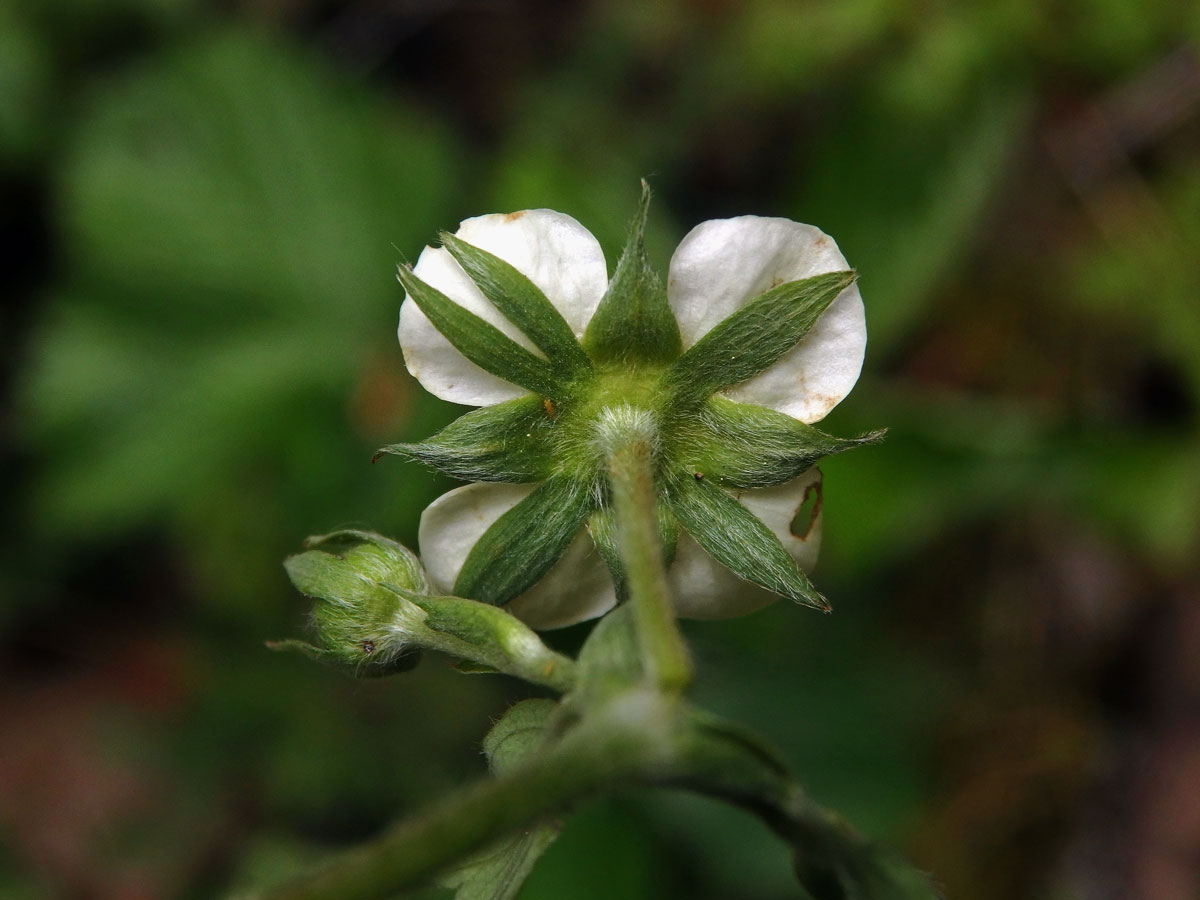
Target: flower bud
point(362, 620)
point(374, 612)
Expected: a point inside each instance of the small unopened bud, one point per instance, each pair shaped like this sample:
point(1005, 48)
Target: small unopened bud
point(361, 618)
point(374, 612)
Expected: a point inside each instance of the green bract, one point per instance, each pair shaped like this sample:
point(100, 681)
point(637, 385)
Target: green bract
point(757, 333)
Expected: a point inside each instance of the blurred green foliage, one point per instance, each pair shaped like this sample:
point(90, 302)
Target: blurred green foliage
point(230, 215)
point(205, 204)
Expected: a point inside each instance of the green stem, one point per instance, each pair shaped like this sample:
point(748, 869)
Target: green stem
point(638, 737)
point(626, 740)
point(829, 856)
point(664, 654)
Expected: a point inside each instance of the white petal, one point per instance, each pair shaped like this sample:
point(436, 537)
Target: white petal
point(722, 264)
point(777, 508)
point(705, 589)
point(554, 251)
point(578, 587)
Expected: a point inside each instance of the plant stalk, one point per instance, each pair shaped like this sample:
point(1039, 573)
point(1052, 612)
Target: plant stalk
point(664, 655)
point(618, 745)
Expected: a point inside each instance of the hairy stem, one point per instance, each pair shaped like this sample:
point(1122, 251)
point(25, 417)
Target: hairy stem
point(664, 654)
point(627, 740)
point(640, 736)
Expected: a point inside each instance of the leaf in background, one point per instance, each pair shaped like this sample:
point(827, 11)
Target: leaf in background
point(555, 136)
point(1145, 271)
point(499, 872)
point(1141, 279)
point(45, 48)
point(904, 200)
point(233, 212)
point(779, 48)
point(949, 459)
point(24, 83)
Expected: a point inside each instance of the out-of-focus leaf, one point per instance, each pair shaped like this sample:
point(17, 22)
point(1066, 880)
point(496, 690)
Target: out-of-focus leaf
point(1143, 490)
point(1144, 278)
point(1107, 36)
point(606, 850)
point(91, 12)
point(905, 201)
point(777, 47)
point(233, 213)
point(498, 872)
point(948, 458)
point(556, 137)
point(1146, 272)
point(238, 179)
point(24, 83)
point(853, 739)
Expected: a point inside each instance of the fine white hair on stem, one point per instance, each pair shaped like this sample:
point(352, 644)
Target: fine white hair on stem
point(618, 426)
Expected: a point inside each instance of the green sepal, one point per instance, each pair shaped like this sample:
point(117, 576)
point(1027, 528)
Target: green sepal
point(742, 446)
point(521, 546)
point(522, 303)
point(610, 662)
point(734, 537)
point(519, 734)
point(603, 528)
point(634, 321)
point(335, 566)
point(481, 342)
point(753, 339)
point(507, 442)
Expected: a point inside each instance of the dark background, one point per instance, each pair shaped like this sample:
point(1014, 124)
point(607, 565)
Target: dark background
point(201, 208)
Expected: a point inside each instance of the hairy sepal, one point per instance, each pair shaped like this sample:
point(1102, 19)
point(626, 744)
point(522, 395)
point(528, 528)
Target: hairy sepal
point(522, 545)
point(609, 661)
point(521, 302)
point(508, 442)
point(602, 527)
point(742, 446)
point(481, 342)
point(634, 321)
point(734, 537)
point(755, 337)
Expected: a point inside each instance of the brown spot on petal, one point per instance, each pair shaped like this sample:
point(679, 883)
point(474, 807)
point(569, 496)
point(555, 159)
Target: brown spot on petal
point(819, 406)
point(807, 512)
point(513, 216)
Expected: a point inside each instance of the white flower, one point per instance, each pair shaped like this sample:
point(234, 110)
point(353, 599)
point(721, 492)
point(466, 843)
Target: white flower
point(718, 268)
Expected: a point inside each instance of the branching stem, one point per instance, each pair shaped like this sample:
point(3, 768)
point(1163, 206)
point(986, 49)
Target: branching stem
point(617, 745)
